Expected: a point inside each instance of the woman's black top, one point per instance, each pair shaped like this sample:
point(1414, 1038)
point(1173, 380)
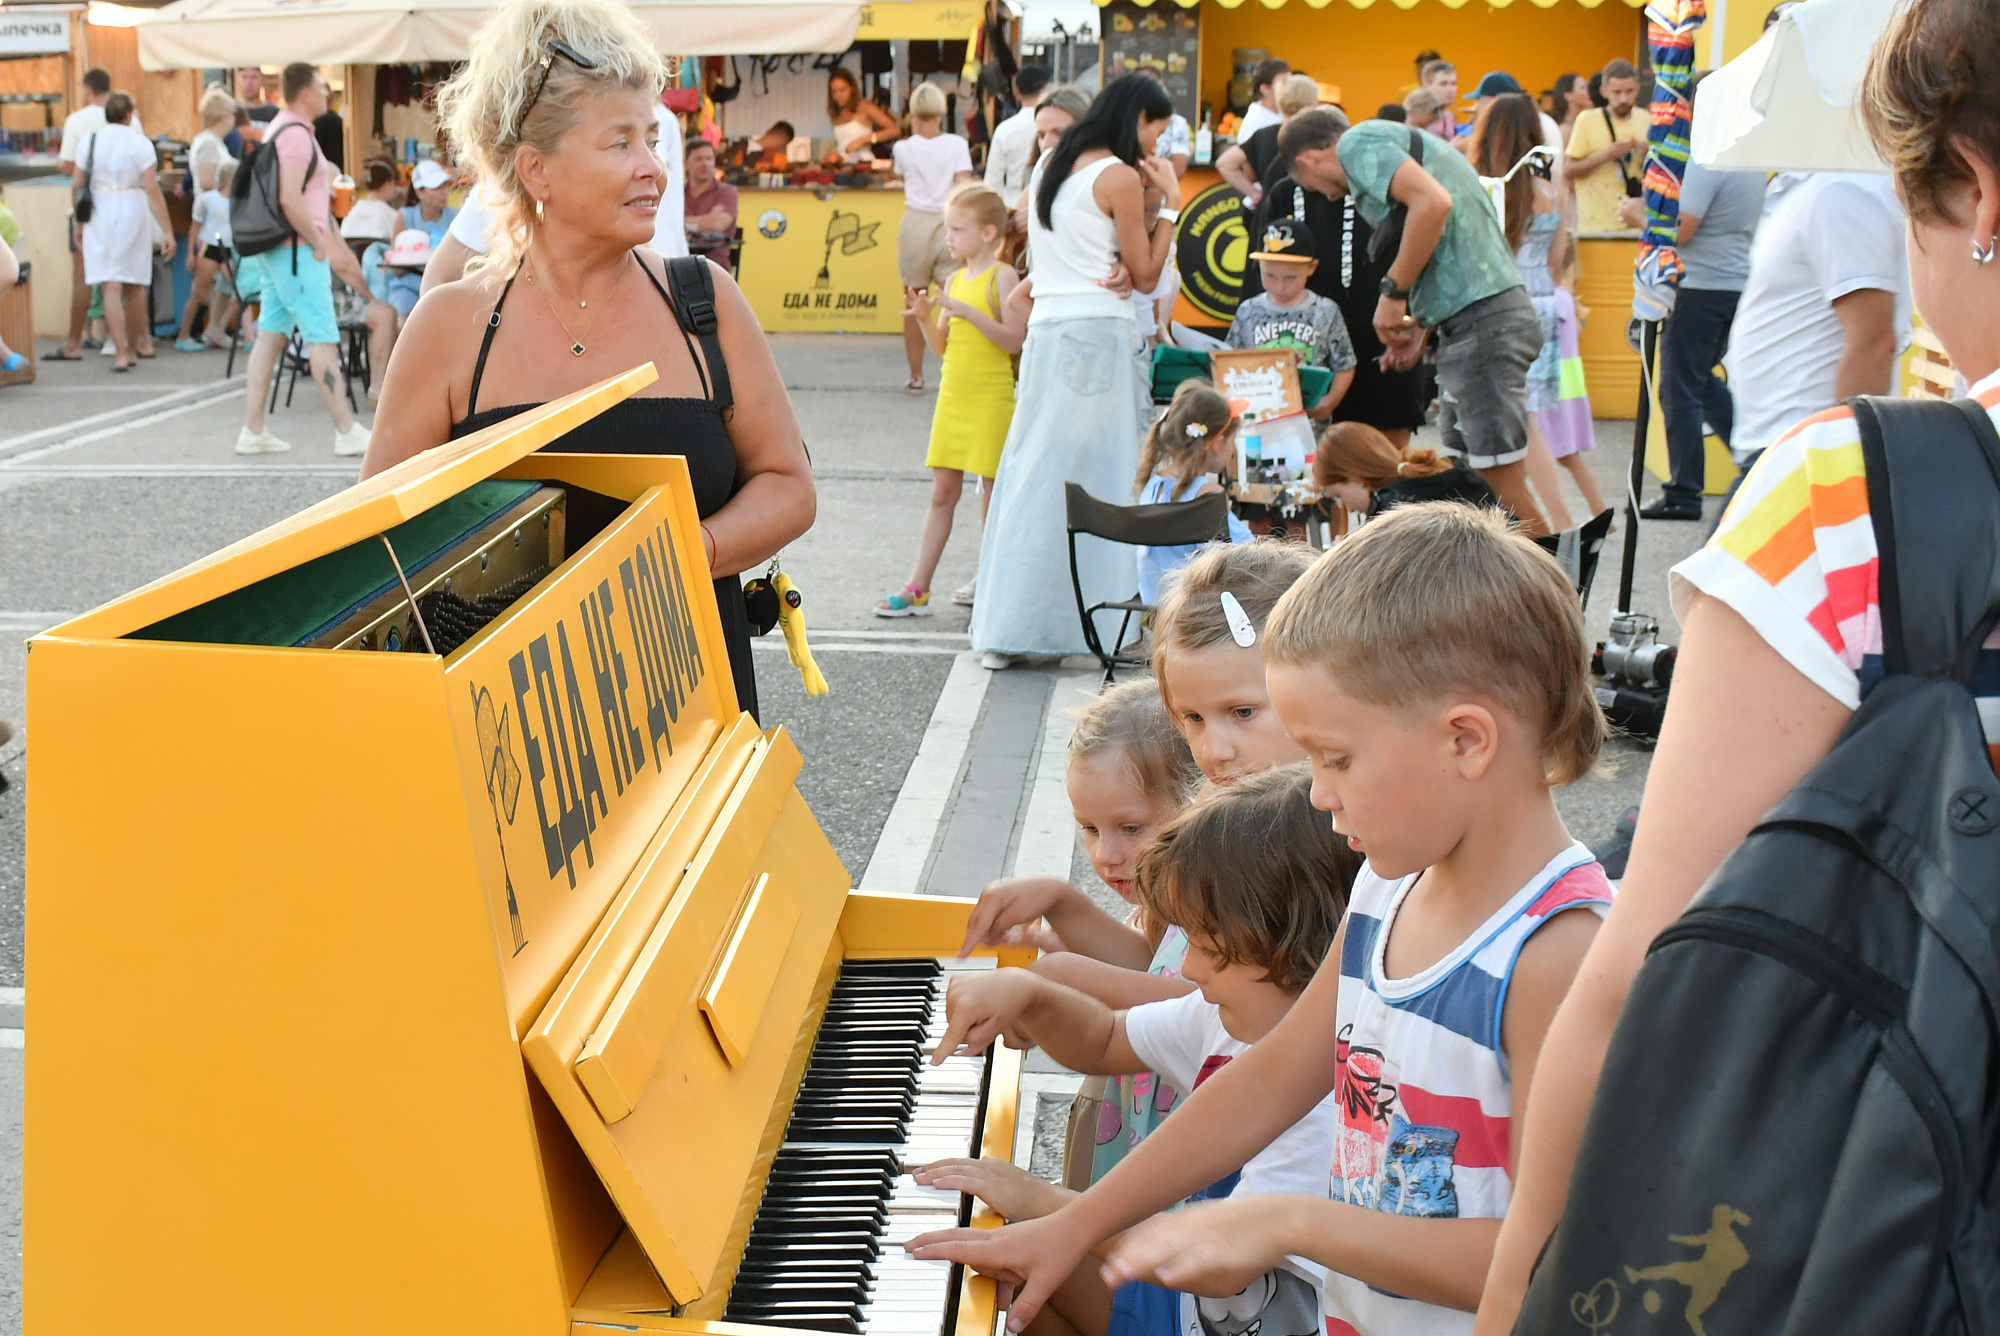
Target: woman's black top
point(1385, 400)
point(691, 428)
point(1262, 150)
point(1457, 483)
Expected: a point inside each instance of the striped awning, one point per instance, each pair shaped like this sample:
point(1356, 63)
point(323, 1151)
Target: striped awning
point(1399, 4)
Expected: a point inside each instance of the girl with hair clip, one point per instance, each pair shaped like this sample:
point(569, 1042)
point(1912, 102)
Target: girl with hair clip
point(1083, 399)
point(979, 335)
point(1193, 440)
point(1208, 655)
point(1508, 129)
point(1368, 474)
point(1129, 773)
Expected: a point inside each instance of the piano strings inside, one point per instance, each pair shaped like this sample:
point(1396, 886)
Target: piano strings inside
point(523, 993)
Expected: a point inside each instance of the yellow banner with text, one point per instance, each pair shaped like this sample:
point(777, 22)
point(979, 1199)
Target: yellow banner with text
point(822, 261)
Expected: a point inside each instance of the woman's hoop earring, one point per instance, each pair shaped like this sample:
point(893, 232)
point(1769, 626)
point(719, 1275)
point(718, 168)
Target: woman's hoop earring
point(1984, 254)
point(538, 218)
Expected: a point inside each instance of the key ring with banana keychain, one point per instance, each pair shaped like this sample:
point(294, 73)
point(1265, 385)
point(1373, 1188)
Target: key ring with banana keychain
point(772, 599)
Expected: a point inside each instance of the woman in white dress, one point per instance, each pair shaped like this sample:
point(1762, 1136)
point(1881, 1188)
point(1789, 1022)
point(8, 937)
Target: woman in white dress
point(1083, 399)
point(121, 168)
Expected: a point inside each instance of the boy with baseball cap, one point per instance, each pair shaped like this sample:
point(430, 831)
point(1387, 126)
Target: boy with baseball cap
point(1286, 315)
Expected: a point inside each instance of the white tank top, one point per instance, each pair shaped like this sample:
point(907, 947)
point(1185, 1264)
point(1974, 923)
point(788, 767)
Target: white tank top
point(1066, 261)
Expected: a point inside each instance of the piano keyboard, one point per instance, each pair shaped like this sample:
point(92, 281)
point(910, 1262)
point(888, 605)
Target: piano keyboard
point(825, 1252)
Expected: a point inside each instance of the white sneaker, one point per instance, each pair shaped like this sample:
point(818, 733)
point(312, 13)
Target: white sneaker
point(353, 441)
point(994, 661)
point(963, 594)
point(259, 443)
point(109, 349)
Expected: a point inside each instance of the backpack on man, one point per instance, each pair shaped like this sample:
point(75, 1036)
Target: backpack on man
point(1796, 1126)
point(257, 221)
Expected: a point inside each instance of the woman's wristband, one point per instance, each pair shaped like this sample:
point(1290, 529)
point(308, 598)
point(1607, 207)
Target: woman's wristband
point(1170, 215)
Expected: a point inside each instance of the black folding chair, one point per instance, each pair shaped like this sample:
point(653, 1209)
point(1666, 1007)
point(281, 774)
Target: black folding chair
point(1168, 524)
point(1576, 551)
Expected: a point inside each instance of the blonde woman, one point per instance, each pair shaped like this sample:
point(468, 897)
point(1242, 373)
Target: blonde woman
point(555, 107)
point(932, 164)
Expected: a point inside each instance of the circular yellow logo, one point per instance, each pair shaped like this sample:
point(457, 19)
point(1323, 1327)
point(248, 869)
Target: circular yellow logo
point(1212, 247)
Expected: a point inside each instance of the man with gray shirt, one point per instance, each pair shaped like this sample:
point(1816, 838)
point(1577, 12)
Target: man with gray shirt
point(1718, 217)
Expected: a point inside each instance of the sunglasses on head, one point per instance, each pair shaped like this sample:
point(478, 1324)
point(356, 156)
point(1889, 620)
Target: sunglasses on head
point(552, 48)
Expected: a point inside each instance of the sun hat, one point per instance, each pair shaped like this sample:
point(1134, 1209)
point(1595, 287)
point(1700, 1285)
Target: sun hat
point(411, 249)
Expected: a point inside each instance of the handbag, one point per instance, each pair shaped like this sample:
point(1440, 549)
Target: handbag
point(1633, 189)
point(85, 205)
point(1388, 238)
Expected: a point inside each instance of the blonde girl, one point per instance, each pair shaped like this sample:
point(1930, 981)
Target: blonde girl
point(1368, 473)
point(1130, 772)
point(1193, 440)
point(971, 326)
point(1208, 655)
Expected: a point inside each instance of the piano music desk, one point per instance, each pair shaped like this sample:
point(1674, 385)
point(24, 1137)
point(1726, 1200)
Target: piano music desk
point(396, 992)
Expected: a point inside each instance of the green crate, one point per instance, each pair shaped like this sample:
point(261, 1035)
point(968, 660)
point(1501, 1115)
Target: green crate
point(1171, 366)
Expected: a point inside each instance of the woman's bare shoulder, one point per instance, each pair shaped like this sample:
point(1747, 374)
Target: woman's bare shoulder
point(455, 312)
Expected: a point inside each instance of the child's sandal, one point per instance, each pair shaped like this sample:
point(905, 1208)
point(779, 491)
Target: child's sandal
point(909, 601)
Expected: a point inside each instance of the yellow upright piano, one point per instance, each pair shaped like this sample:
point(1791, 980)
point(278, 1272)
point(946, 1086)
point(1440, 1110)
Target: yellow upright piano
point(423, 941)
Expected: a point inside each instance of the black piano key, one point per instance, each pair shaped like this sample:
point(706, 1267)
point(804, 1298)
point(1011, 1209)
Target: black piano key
point(892, 967)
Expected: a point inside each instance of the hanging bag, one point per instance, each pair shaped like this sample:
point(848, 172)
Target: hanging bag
point(1795, 1129)
point(1633, 188)
point(86, 206)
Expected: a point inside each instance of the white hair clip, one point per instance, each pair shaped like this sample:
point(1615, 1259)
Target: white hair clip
point(1239, 621)
point(1197, 430)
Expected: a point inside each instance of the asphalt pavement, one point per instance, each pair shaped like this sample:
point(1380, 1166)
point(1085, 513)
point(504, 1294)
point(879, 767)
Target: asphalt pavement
point(109, 481)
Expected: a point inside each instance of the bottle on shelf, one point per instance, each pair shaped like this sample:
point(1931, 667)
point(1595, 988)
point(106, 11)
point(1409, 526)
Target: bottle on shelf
point(1204, 139)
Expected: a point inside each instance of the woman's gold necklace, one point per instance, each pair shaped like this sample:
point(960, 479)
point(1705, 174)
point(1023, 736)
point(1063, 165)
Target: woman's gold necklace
point(576, 344)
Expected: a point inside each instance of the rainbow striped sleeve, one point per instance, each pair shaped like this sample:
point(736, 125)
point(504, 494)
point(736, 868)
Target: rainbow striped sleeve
point(1795, 555)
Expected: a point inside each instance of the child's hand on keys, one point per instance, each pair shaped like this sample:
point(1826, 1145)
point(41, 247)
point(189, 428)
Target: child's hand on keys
point(1027, 1261)
point(980, 1008)
point(1010, 903)
point(1009, 1189)
point(1213, 1248)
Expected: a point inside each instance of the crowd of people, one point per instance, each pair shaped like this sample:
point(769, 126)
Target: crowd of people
point(1360, 1066)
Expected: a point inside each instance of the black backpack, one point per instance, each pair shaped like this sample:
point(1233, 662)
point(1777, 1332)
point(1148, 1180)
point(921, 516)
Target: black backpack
point(256, 222)
point(1795, 1129)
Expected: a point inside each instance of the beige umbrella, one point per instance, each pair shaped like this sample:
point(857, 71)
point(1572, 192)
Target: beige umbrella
point(1788, 104)
point(203, 34)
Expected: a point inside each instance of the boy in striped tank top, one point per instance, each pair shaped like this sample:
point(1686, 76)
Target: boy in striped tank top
point(1434, 669)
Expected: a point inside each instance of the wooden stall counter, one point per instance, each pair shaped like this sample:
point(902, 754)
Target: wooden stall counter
point(822, 259)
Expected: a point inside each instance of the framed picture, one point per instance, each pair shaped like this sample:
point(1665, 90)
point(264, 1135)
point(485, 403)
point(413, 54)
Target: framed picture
point(1275, 441)
point(1264, 380)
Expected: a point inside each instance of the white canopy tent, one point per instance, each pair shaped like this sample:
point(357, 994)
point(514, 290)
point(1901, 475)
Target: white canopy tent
point(200, 34)
point(1789, 103)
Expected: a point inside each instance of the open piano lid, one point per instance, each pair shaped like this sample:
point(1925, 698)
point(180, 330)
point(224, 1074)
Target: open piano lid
point(370, 507)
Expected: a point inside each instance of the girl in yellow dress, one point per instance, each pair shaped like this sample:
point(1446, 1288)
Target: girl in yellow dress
point(971, 326)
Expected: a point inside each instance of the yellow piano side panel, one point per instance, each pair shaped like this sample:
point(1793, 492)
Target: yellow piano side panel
point(273, 1084)
point(580, 715)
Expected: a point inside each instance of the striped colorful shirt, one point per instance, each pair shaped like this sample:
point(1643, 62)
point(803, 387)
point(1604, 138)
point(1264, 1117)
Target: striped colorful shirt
point(1426, 1104)
point(1795, 557)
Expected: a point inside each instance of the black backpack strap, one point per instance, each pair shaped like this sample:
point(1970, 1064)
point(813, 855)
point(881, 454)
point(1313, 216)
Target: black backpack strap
point(1933, 472)
point(694, 306)
point(1417, 145)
